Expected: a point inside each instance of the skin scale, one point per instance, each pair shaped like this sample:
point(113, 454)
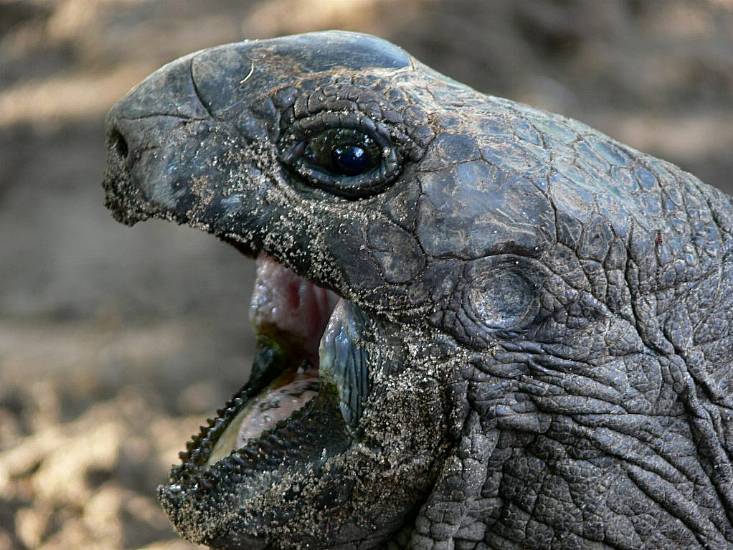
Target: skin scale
point(542, 313)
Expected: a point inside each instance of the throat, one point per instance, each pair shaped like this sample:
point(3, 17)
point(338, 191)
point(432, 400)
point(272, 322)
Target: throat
point(290, 309)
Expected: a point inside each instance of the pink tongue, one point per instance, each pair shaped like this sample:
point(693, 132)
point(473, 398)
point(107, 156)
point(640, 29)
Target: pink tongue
point(292, 304)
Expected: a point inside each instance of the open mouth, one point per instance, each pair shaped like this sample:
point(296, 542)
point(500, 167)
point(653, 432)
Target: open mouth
point(290, 315)
point(304, 396)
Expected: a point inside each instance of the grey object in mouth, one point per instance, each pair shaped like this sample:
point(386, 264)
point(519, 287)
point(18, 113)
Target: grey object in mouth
point(496, 326)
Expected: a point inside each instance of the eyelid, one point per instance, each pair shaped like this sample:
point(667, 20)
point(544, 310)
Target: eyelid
point(306, 127)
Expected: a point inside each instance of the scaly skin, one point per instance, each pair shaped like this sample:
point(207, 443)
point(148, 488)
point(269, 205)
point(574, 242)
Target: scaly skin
point(545, 311)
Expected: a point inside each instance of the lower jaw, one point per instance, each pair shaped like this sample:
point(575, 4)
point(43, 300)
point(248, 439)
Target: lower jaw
point(202, 501)
point(292, 317)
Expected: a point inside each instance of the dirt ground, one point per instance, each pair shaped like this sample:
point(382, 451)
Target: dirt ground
point(116, 342)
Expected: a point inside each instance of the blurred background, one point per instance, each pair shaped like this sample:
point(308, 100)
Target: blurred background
point(116, 342)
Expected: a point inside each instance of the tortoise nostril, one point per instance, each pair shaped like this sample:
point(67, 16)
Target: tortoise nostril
point(118, 142)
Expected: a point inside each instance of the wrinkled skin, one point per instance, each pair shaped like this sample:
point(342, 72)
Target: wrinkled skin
point(545, 311)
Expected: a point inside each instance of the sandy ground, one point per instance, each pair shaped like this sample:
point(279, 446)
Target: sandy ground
point(116, 342)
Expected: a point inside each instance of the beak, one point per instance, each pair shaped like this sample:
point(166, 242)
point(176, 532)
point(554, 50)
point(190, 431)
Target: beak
point(162, 158)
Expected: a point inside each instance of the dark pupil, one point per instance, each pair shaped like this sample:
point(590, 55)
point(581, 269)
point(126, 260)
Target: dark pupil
point(351, 159)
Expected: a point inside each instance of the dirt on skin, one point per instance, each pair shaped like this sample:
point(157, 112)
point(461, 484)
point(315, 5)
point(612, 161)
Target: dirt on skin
point(116, 342)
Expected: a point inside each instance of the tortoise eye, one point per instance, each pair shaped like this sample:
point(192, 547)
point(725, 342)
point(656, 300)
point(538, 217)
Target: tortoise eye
point(353, 159)
point(343, 152)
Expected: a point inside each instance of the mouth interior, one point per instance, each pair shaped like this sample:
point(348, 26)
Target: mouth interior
point(290, 315)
